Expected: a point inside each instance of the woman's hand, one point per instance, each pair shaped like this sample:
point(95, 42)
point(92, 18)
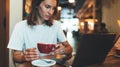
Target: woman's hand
point(60, 48)
point(30, 54)
point(63, 50)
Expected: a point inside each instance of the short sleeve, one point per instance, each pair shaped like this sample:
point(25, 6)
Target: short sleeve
point(16, 41)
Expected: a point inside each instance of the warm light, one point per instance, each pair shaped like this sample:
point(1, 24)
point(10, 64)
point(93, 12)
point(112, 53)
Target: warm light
point(82, 25)
point(91, 25)
point(118, 22)
point(27, 6)
point(91, 20)
point(71, 1)
point(90, 4)
point(59, 8)
point(58, 56)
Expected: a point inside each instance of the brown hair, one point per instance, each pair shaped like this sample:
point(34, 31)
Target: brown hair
point(32, 18)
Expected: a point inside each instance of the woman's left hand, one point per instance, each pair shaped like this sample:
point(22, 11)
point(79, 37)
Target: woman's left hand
point(60, 48)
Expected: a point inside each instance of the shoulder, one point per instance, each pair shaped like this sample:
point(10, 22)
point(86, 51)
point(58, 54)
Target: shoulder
point(56, 23)
point(21, 24)
point(24, 22)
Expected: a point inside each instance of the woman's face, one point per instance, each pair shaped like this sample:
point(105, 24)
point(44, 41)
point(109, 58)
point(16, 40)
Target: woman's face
point(46, 9)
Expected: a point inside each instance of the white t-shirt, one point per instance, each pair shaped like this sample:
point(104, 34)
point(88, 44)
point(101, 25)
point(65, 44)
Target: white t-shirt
point(25, 36)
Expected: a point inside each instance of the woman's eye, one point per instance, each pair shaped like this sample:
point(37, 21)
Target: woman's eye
point(47, 6)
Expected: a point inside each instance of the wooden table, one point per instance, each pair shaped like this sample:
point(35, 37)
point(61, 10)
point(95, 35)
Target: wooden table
point(110, 61)
point(28, 64)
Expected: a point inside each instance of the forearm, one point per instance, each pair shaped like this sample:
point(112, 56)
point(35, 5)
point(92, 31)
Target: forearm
point(26, 56)
point(68, 50)
point(18, 56)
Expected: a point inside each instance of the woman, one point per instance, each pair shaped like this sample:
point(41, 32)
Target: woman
point(39, 27)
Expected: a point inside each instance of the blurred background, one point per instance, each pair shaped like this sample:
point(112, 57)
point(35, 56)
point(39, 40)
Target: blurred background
point(75, 17)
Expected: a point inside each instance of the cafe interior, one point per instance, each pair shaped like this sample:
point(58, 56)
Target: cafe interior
point(78, 19)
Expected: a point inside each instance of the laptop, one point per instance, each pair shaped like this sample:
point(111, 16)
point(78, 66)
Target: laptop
point(93, 49)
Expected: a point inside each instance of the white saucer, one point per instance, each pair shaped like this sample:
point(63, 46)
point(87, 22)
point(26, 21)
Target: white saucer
point(41, 63)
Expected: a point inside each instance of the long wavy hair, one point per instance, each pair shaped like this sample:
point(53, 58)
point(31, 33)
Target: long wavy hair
point(34, 13)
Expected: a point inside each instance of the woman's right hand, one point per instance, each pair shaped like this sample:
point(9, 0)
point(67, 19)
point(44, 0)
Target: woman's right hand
point(30, 54)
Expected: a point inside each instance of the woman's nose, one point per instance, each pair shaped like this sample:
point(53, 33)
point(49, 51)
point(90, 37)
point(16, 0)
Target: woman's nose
point(51, 11)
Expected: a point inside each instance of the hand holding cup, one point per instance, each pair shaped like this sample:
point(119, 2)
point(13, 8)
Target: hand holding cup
point(30, 54)
point(59, 48)
point(59, 51)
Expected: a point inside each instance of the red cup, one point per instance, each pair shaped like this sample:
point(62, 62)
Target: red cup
point(45, 48)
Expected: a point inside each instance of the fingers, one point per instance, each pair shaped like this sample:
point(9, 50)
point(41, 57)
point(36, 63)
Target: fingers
point(31, 51)
point(31, 54)
point(60, 51)
point(60, 48)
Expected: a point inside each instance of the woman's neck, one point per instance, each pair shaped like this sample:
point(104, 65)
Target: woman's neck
point(40, 21)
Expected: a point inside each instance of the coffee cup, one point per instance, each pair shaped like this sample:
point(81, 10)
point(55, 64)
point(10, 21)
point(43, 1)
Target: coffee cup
point(45, 47)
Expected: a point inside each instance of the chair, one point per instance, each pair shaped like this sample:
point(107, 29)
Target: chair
point(93, 49)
